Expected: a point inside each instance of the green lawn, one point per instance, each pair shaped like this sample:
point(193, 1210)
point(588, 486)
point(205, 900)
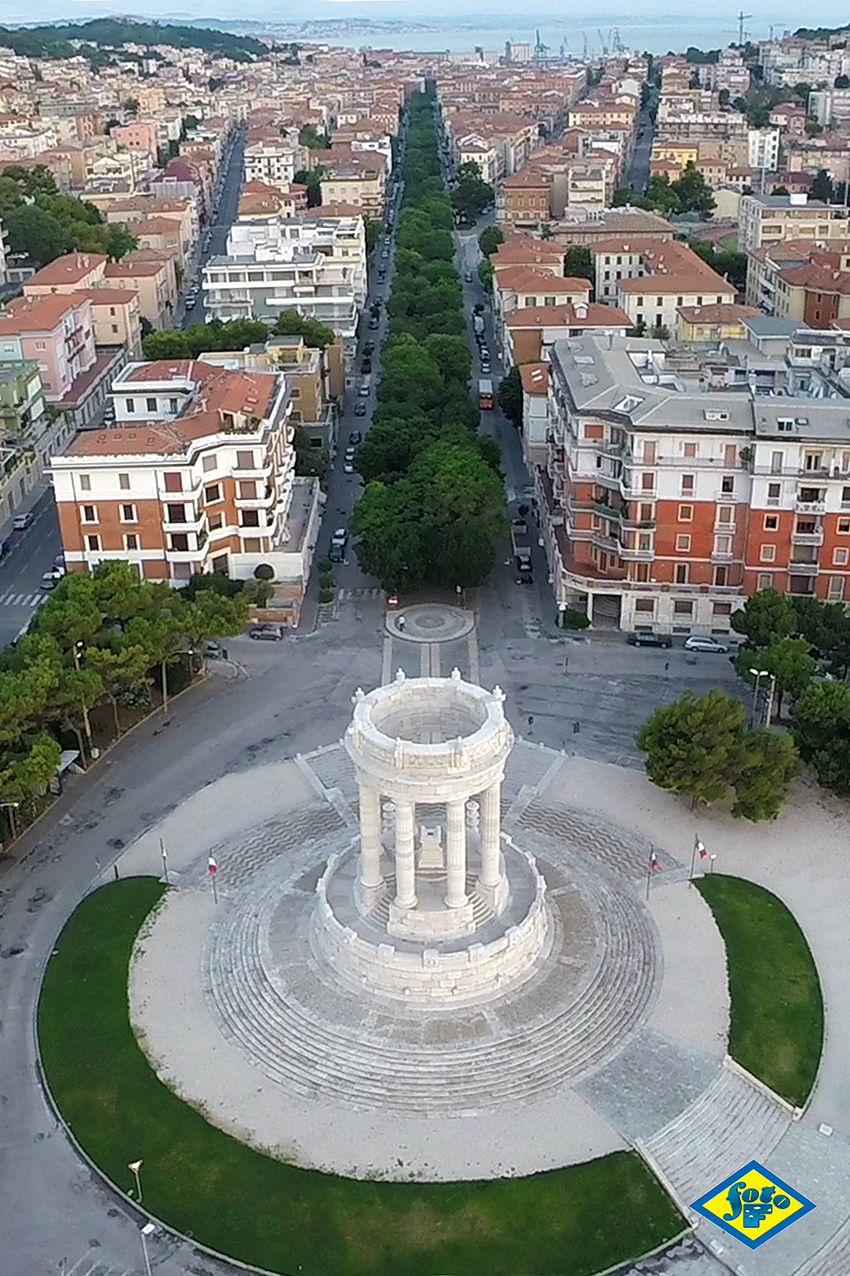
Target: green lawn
point(777, 1009)
point(563, 1223)
point(730, 242)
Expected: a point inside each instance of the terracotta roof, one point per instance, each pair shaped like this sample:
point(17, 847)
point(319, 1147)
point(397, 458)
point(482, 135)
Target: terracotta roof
point(817, 278)
point(131, 269)
point(521, 279)
point(726, 312)
point(69, 269)
point(37, 314)
point(595, 315)
point(107, 296)
point(135, 441)
point(678, 282)
point(534, 377)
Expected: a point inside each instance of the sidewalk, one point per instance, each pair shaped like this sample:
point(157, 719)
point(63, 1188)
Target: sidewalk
point(32, 498)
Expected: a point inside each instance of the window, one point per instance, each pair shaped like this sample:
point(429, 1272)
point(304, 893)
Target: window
point(776, 461)
point(720, 576)
point(215, 521)
point(730, 455)
point(765, 581)
point(244, 460)
point(93, 543)
point(174, 406)
point(641, 571)
point(689, 449)
point(686, 513)
point(845, 496)
point(250, 518)
point(131, 541)
point(89, 513)
point(647, 482)
point(687, 484)
point(124, 482)
point(128, 514)
point(771, 522)
point(767, 553)
point(836, 589)
point(727, 484)
point(130, 405)
point(173, 482)
point(115, 327)
point(648, 453)
point(85, 482)
point(723, 544)
point(646, 513)
point(839, 557)
point(179, 541)
point(212, 493)
point(645, 604)
point(813, 461)
point(209, 462)
point(683, 544)
point(247, 489)
point(844, 526)
point(681, 573)
point(252, 545)
point(725, 514)
point(773, 493)
point(683, 607)
point(175, 513)
point(644, 542)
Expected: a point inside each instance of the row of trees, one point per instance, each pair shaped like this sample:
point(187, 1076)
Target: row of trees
point(689, 193)
point(703, 748)
point(233, 334)
point(434, 499)
point(103, 639)
point(42, 225)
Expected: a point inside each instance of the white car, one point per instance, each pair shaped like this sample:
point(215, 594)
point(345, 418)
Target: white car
point(699, 643)
point(339, 537)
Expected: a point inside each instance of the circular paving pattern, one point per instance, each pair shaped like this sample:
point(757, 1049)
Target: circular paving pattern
point(430, 622)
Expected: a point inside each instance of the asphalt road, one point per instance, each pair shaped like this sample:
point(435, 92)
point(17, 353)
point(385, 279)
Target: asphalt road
point(224, 215)
point(28, 554)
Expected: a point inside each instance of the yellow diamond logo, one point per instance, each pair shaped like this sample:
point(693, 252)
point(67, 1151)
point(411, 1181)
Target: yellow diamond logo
point(753, 1205)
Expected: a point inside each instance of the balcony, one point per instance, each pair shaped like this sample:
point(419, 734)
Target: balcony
point(195, 524)
point(803, 569)
point(722, 556)
point(807, 538)
point(636, 555)
point(809, 507)
point(264, 502)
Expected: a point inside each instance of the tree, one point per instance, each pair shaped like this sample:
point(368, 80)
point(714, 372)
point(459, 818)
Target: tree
point(821, 187)
point(692, 745)
point(787, 659)
point(316, 334)
point(766, 764)
point(451, 355)
point(310, 137)
point(578, 263)
point(489, 240)
point(372, 227)
point(779, 190)
point(661, 195)
point(35, 234)
point(766, 615)
point(510, 397)
point(821, 730)
point(693, 193)
point(310, 462)
point(813, 128)
point(622, 197)
point(471, 194)
point(117, 242)
point(32, 182)
point(131, 106)
point(486, 273)
point(842, 82)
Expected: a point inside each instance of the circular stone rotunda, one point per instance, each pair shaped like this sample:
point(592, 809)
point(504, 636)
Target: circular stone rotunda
point(422, 960)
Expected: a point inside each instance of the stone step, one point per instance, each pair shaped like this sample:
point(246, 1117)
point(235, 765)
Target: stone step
point(732, 1122)
point(335, 770)
point(529, 764)
point(359, 1067)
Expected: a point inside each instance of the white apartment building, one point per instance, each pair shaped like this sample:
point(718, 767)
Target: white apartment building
point(763, 148)
point(315, 266)
point(272, 162)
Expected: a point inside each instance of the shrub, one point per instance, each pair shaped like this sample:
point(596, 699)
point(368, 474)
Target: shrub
point(326, 595)
point(573, 619)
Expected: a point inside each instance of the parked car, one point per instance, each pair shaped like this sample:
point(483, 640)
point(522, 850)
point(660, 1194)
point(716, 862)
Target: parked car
point(191, 302)
point(366, 366)
point(354, 438)
point(59, 561)
point(523, 563)
point(478, 308)
point(336, 553)
point(373, 322)
point(699, 642)
point(639, 638)
point(348, 468)
point(485, 367)
point(467, 274)
point(22, 521)
point(339, 537)
point(266, 633)
point(360, 409)
point(365, 388)
point(525, 578)
point(214, 651)
point(369, 348)
point(50, 580)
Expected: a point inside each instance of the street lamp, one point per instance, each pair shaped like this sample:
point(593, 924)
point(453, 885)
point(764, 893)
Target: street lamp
point(699, 849)
point(11, 807)
point(145, 1233)
point(135, 1166)
point(758, 674)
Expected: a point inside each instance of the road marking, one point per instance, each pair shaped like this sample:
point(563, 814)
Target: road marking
point(20, 600)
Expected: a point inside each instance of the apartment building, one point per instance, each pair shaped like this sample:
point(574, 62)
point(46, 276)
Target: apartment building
point(359, 180)
point(664, 503)
point(650, 281)
point(197, 475)
point(800, 280)
point(530, 331)
point(314, 265)
point(25, 431)
point(273, 161)
point(767, 219)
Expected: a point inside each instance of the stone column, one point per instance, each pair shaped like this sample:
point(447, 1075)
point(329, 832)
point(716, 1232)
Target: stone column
point(490, 822)
point(456, 853)
point(370, 837)
point(405, 866)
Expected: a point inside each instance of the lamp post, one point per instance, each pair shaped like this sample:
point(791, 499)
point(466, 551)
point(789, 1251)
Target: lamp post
point(768, 713)
point(136, 1166)
point(758, 674)
point(699, 849)
point(11, 807)
point(76, 649)
point(711, 860)
point(145, 1232)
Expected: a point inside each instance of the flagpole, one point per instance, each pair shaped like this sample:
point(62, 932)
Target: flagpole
point(698, 848)
point(213, 867)
point(653, 863)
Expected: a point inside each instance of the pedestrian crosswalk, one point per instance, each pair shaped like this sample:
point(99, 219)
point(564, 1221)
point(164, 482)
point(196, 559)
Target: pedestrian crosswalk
point(12, 599)
point(362, 593)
